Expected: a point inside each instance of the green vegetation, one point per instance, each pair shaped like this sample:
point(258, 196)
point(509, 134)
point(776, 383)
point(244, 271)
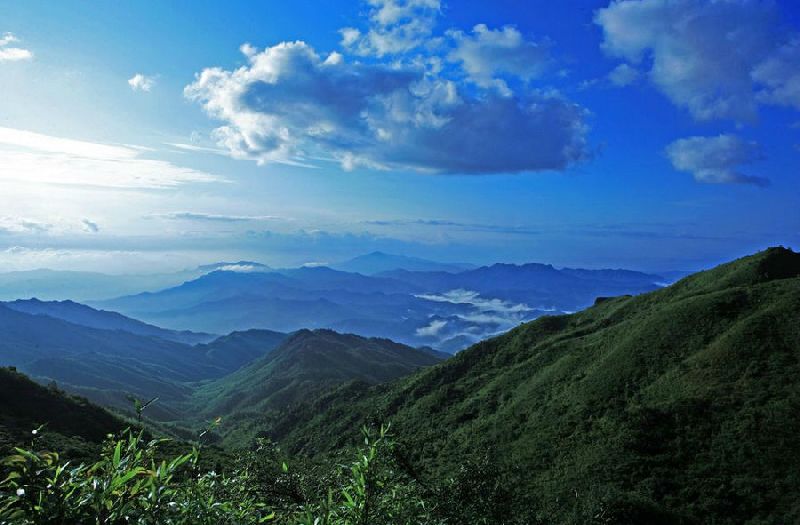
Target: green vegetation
point(129, 484)
point(678, 405)
point(62, 422)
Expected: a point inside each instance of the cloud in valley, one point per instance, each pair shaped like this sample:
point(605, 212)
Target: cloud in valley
point(479, 318)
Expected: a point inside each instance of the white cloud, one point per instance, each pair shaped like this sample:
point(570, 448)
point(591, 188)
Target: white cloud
point(716, 159)
point(289, 104)
point(474, 298)
point(10, 53)
point(29, 157)
point(195, 148)
point(396, 26)
point(487, 54)
point(140, 82)
point(702, 55)
point(22, 225)
point(623, 75)
point(241, 268)
point(780, 76)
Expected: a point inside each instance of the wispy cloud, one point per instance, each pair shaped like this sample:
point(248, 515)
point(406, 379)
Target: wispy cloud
point(29, 157)
point(196, 149)
point(211, 217)
point(432, 329)
point(463, 226)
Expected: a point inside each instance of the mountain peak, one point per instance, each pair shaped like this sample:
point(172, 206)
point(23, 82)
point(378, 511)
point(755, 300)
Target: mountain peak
point(772, 264)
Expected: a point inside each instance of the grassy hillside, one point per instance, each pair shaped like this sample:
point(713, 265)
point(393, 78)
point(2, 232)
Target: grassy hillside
point(304, 365)
point(676, 406)
point(72, 425)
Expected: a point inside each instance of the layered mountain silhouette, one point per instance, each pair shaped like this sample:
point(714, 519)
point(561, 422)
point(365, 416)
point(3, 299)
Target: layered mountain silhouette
point(83, 315)
point(441, 309)
point(377, 262)
point(108, 366)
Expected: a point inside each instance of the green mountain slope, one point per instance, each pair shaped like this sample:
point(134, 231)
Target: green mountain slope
point(72, 425)
point(300, 368)
point(676, 406)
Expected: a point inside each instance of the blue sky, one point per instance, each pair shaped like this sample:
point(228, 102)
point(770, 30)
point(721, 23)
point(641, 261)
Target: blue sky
point(148, 136)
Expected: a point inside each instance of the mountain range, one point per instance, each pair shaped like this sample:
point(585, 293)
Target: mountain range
point(377, 262)
point(447, 310)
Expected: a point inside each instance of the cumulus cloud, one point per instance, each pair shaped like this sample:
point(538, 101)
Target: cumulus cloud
point(290, 103)
point(706, 57)
point(28, 157)
point(716, 159)
point(487, 54)
point(395, 27)
point(11, 53)
point(140, 82)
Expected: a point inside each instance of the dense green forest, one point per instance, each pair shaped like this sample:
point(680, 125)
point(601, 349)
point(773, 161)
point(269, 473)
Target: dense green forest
point(675, 406)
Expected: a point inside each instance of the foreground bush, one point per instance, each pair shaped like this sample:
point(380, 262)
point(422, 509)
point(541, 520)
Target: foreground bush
point(128, 485)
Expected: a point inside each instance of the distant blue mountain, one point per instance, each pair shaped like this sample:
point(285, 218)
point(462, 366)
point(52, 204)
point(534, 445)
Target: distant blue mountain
point(83, 315)
point(446, 310)
point(377, 262)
